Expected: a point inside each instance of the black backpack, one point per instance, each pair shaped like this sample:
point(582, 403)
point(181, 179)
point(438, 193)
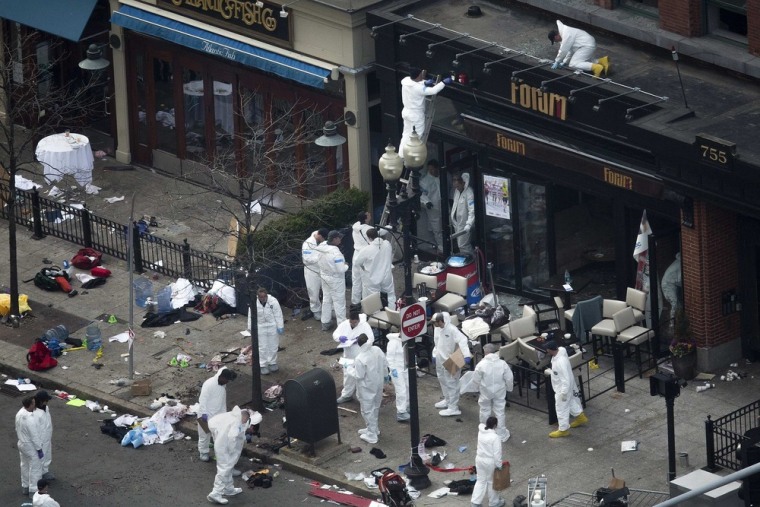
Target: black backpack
point(45, 278)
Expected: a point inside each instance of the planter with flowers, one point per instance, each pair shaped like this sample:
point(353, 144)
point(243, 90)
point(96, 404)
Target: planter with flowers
point(683, 348)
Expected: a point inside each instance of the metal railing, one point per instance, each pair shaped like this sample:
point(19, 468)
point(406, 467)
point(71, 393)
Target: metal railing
point(77, 225)
point(723, 435)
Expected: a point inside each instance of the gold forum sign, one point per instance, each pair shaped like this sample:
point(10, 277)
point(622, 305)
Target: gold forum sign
point(241, 16)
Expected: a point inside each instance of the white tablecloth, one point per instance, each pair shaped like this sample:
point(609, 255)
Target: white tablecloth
point(61, 155)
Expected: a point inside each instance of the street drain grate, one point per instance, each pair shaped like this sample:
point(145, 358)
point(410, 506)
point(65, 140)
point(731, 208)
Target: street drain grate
point(11, 391)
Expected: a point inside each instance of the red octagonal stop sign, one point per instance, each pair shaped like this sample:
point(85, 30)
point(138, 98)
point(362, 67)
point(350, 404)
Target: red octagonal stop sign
point(413, 321)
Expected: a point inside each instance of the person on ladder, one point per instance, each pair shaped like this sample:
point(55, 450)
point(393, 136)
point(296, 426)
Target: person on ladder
point(414, 89)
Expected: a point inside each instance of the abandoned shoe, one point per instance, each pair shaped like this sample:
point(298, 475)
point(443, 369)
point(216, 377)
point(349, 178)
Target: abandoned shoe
point(204, 457)
point(442, 404)
point(579, 421)
point(232, 491)
point(216, 498)
point(559, 433)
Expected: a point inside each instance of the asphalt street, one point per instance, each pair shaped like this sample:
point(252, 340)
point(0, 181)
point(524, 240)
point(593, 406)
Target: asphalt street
point(93, 469)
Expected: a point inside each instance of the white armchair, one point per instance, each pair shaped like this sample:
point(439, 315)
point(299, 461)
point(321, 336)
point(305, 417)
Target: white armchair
point(632, 335)
point(455, 297)
point(637, 300)
point(606, 330)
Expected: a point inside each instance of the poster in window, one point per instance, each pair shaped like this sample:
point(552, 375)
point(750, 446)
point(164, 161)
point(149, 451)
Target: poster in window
point(496, 196)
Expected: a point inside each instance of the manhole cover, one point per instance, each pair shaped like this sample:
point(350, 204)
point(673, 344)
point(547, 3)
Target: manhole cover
point(96, 489)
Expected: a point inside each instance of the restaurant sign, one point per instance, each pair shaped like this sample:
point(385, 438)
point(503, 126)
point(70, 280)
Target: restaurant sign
point(533, 99)
point(240, 16)
point(559, 155)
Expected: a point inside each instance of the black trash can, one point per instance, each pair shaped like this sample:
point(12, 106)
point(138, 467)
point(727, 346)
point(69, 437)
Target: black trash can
point(311, 407)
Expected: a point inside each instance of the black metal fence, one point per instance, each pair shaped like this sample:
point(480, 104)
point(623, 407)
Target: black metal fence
point(77, 225)
point(723, 436)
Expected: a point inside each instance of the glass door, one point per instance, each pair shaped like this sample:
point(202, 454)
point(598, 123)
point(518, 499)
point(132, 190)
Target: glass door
point(530, 199)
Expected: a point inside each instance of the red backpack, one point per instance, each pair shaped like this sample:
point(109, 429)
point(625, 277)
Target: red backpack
point(86, 258)
point(39, 357)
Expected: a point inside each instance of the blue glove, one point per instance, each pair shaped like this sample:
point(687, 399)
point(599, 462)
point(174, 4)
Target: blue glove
point(467, 360)
point(343, 339)
point(556, 65)
point(40, 454)
point(394, 373)
point(429, 82)
point(204, 417)
point(280, 330)
point(387, 379)
point(447, 81)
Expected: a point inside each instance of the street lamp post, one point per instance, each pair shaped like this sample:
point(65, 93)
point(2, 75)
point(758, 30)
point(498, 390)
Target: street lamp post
point(391, 166)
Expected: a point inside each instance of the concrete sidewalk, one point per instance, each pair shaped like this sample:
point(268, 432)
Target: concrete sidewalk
point(579, 463)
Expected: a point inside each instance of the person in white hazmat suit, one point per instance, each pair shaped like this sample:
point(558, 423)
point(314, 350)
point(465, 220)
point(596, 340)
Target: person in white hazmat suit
point(381, 271)
point(363, 261)
point(42, 498)
point(42, 412)
point(495, 379)
point(447, 338)
point(270, 326)
point(396, 357)
point(430, 186)
point(310, 258)
point(414, 89)
point(229, 430)
point(212, 401)
point(487, 459)
point(346, 334)
point(370, 369)
point(359, 235)
point(332, 270)
point(29, 445)
point(566, 394)
point(463, 212)
point(576, 50)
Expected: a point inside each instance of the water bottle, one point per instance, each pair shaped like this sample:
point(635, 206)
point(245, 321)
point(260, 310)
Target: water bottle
point(94, 340)
point(143, 289)
point(164, 300)
point(567, 277)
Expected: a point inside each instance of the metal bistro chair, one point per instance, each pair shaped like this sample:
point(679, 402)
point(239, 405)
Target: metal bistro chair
point(637, 300)
point(536, 364)
point(430, 281)
point(606, 330)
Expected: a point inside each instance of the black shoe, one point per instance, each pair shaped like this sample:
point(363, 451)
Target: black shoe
point(307, 314)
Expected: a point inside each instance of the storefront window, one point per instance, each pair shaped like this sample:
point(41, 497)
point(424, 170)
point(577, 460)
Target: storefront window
point(500, 249)
point(531, 203)
point(195, 114)
point(165, 112)
point(141, 99)
point(224, 124)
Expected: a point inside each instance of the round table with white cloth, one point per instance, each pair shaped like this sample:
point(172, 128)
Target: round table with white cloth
point(62, 154)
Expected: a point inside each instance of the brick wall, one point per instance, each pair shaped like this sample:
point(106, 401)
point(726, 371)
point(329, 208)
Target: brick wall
point(710, 267)
point(753, 26)
point(683, 17)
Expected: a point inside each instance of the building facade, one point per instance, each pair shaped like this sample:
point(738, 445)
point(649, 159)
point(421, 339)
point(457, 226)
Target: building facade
point(564, 165)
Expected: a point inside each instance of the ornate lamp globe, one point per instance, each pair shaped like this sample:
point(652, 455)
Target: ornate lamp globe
point(390, 164)
point(415, 151)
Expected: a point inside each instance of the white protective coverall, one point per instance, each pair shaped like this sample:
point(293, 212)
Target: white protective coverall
point(566, 393)
point(359, 235)
point(363, 262)
point(332, 270)
point(495, 379)
point(370, 368)
point(229, 437)
point(413, 95)
point(463, 214)
point(43, 500)
point(224, 291)
point(310, 258)
point(487, 459)
point(212, 401)
point(346, 337)
point(270, 322)
point(399, 375)
point(29, 442)
point(431, 193)
point(447, 339)
point(45, 424)
point(381, 272)
point(576, 49)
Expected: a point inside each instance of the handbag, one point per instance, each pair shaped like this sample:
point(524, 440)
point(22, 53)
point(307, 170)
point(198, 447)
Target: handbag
point(501, 479)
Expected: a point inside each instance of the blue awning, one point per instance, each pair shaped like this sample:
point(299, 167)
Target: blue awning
point(224, 47)
point(64, 18)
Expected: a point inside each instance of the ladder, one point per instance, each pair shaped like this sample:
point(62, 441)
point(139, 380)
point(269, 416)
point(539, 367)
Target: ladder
point(406, 173)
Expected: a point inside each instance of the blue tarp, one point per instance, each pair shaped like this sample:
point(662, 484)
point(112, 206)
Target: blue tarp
point(224, 47)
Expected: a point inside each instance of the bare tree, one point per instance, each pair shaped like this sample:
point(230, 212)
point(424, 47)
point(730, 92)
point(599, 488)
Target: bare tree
point(33, 104)
point(271, 169)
